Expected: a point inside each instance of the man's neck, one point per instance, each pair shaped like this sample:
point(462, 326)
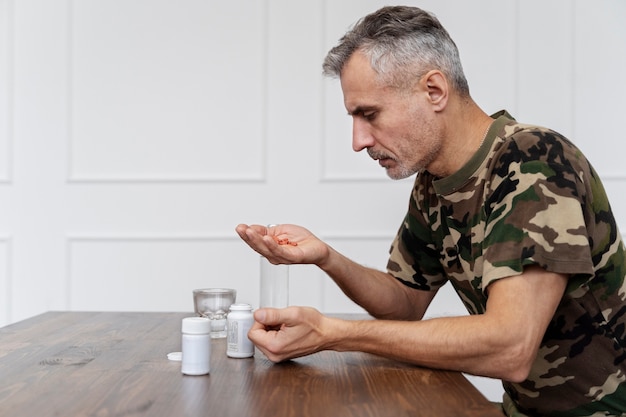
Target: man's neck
point(466, 129)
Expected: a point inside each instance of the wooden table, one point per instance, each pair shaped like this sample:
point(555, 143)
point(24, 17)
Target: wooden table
point(114, 364)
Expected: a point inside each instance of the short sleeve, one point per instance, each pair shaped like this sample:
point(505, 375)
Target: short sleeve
point(536, 213)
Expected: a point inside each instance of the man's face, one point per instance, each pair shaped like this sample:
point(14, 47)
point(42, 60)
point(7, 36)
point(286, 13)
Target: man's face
point(397, 128)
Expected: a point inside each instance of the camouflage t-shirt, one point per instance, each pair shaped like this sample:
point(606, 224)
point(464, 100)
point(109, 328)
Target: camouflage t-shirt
point(529, 197)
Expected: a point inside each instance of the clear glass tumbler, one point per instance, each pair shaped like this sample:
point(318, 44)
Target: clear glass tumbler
point(274, 285)
point(213, 303)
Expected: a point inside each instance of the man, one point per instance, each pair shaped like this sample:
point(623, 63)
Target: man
point(512, 215)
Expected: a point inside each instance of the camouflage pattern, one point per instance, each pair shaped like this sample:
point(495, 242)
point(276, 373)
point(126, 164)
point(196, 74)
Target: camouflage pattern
point(529, 197)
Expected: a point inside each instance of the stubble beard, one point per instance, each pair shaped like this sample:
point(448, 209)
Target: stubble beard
point(402, 170)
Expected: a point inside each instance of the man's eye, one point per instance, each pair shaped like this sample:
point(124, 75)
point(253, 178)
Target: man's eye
point(369, 115)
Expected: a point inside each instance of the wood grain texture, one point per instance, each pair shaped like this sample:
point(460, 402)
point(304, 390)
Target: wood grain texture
point(114, 364)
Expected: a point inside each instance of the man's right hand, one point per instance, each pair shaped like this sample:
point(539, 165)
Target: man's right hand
point(284, 243)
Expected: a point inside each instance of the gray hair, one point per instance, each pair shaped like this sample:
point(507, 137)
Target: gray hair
point(403, 43)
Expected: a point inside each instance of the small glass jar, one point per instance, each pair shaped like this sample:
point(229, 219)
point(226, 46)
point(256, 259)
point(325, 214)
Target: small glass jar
point(238, 322)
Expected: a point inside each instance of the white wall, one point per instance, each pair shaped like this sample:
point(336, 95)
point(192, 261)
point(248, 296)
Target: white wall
point(135, 135)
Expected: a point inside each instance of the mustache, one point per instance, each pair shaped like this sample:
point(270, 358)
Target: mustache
point(377, 155)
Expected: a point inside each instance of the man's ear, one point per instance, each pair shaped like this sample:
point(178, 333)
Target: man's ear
point(436, 85)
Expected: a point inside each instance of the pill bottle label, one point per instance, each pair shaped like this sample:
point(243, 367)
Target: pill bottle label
point(239, 322)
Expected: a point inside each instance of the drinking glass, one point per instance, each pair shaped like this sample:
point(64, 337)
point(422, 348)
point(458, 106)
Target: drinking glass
point(213, 303)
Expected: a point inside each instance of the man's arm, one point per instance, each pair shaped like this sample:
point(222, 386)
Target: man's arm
point(501, 343)
point(378, 292)
point(382, 295)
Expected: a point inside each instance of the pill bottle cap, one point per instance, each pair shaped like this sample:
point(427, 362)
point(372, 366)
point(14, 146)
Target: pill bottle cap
point(196, 325)
point(240, 307)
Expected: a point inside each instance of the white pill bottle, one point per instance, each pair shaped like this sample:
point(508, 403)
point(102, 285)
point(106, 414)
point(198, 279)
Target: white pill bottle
point(196, 346)
point(238, 322)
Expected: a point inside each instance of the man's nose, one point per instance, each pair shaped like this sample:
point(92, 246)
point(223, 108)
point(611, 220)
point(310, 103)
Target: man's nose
point(361, 135)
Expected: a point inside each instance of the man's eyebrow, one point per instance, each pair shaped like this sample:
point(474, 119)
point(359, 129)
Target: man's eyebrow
point(361, 110)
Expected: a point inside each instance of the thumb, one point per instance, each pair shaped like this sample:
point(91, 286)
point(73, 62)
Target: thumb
point(270, 317)
point(275, 317)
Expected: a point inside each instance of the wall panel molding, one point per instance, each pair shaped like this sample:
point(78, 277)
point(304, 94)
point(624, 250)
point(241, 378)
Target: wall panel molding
point(6, 279)
point(6, 90)
point(159, 179)
point(338, 163)
point(100, 237)
point(163, 125)
point(159, 271)
point(612, 176)
point(359, 235)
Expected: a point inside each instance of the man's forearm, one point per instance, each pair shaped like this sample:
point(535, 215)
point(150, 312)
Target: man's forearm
point(451, 343)
point(376, 291)
point(500, 343)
